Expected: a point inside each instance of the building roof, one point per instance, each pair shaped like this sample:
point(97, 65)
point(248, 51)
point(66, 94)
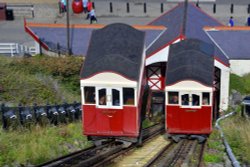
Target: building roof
point(190, 59)
point(52, 34)
point(234, 41)
point(118, 48)
point(185, 21)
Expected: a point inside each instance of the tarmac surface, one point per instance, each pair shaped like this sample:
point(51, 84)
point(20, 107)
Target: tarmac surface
point(47, 12)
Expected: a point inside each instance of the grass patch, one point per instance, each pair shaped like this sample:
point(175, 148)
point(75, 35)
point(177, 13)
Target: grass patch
point(215, 149)
point(40, 144)
point(39, 79)
point(237, 132)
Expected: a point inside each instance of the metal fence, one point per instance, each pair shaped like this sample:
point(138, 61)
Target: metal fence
point(14, 49)
point(14, 117)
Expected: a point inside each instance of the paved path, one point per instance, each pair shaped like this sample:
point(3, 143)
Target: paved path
point(47, 12)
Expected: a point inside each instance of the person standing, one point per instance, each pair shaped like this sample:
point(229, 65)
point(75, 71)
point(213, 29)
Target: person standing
point(89, 7)
point(231, 22)
point(92, 16)
point(85, 3)
point(248, 21)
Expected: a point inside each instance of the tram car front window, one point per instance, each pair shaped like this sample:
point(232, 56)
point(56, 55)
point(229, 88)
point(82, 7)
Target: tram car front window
point(89, 94)
point(173, 98)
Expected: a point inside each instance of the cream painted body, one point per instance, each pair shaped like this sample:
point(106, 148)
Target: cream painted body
point(188, 86)
point(108, 80)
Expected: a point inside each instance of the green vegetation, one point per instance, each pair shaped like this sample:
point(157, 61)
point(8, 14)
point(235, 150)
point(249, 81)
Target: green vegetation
point(40, 144)
point(237, 132)
point(241, 84)
point(215, 149)
point(39, 79)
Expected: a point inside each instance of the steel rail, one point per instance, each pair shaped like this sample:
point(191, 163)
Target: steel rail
point(178, 154)
point(104, 154)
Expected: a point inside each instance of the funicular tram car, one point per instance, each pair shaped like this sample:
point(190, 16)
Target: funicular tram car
point(113, 84)
point(189, 90)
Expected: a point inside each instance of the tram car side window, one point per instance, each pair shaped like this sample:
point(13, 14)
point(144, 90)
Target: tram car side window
point(128, 96)
point(205, 98)
point(173, 98)
point(89, 94)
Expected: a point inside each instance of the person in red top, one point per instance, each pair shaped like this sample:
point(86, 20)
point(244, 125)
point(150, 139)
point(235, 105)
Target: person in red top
point(89, 7)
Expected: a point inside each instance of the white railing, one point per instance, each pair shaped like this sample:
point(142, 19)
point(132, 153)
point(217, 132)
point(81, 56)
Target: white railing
point(16, 49)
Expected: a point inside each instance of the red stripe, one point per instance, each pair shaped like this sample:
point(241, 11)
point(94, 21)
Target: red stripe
point(216, 58)
point(34, 36)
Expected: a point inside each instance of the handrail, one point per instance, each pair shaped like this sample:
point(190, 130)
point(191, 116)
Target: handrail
point(230, 154)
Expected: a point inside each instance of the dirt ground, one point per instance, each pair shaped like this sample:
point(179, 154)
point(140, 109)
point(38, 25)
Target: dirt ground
point(30, 1)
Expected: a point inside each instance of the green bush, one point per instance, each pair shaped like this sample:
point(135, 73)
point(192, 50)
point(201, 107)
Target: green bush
point(241, 84)
point(39, 79)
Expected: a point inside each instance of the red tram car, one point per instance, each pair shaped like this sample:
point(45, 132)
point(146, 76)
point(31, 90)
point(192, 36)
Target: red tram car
point(113, 84)
point(189, 90)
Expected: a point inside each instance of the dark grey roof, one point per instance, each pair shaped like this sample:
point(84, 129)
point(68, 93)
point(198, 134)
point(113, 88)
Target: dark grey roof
point(80, 37)
point(173, 21)
point(190, 26)
point(118, 48)
point(235, 43)
point(190, 59)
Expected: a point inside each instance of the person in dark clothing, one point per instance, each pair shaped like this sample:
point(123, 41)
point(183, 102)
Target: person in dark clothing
point(231, 22)
point(92, 16)
point(248, 21)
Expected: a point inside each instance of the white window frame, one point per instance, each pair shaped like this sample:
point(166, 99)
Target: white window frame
point(190, 99)
point(109, 98)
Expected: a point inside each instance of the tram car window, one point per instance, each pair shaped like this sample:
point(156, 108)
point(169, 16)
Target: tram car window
point(89, 94)
point(185, 100)
point(173, 98)
point(128, 96)
point(189, 78)
point(205, 98)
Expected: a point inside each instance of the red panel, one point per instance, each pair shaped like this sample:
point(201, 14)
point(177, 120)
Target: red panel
point(110, 122)
point(189, 120)
point(131, 123)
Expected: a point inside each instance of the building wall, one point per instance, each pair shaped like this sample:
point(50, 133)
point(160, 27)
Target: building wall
point(240, 67)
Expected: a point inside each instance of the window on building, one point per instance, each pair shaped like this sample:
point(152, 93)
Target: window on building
point(128, 96)
point(205, 98)
point(185, 99)
point(173, 98)
point(89, 95)
point(102, 93)
point(195, 100)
